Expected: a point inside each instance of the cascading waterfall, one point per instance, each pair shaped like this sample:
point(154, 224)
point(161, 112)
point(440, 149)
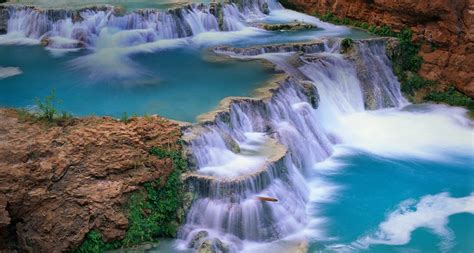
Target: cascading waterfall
point(81, 28)
point(229, 212)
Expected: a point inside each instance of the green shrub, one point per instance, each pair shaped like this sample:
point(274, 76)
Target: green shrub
point(364, 25)
point(47, 107)
point(47, 110)
point(409, 58)
point(346, 44)
point(415, 82)
point(452, 97)
point(94, 243)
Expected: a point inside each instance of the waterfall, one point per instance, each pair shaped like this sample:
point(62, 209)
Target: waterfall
point(61, 29)
point(300, 112)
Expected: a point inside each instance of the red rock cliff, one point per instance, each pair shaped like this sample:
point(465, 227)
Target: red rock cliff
point(59, 182)
point(447, 24)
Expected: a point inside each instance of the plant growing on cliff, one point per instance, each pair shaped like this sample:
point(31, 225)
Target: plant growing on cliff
point(47, 110)
point(46, 107)
point(153, 212)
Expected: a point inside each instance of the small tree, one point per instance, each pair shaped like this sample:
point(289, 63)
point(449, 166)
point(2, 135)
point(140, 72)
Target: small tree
point(47, 109)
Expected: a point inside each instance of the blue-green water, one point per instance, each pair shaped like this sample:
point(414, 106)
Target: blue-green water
point(178, 84)
point(364, 189)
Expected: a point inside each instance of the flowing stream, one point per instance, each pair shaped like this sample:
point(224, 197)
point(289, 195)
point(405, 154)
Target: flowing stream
point(328, 156)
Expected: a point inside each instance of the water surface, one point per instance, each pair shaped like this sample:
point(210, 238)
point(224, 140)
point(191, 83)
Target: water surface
point(179, 84)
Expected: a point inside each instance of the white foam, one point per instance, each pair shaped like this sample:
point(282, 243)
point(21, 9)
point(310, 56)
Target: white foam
point(216, 38)
point(6, 72)
point(251, 158)
point(431, 211)
point(289, 16)
point(17, 38)
point(111, 59)
point(394, 132)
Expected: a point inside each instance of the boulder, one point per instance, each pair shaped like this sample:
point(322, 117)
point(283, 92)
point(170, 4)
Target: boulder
point(213, 246)
point(194, 243)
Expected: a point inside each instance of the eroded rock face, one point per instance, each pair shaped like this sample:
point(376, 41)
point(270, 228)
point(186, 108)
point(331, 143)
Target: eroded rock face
point(446, 24)
point(59, 182)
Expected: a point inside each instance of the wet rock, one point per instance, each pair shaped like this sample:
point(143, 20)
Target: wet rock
point(213, 246)
point(194, 243)
point(3, 20)
point(265, 9)
point(119, 11)
point(311, 94)
point(45, 42)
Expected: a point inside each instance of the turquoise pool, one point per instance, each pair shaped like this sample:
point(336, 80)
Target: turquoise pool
point(178, 84)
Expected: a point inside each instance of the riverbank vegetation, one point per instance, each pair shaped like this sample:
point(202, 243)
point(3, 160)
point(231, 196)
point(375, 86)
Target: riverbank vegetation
point(407, 63)
point(46, 111)
point(154, 212)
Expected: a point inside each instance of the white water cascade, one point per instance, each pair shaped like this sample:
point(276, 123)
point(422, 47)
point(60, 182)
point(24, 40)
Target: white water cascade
point(323, 85)
point(65, 29)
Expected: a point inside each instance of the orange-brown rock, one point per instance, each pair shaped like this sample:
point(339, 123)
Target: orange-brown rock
point(446, 24)
point(59, 182)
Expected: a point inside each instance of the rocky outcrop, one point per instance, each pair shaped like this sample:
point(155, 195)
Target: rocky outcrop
point(286, 27)
point(3, 19)
point(445, 27)
point(59, 182)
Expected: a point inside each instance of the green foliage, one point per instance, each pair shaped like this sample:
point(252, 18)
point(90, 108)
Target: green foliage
point(363, 25)
point(46, 111)
point(409, 59)
point(452, 97)
point(331, 18)
point(382, 30)
point(414, 83)
point(346, 44)
point(47, 107)
point(94, 244)
point(124, 117)
point(152, 212)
